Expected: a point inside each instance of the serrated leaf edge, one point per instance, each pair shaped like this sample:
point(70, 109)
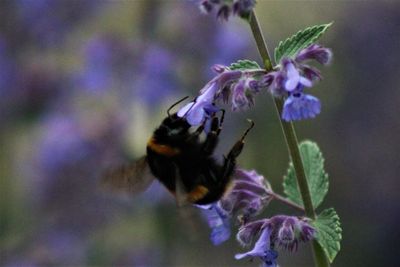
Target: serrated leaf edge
point(299, 201)
point(326, 175)
point(338, 230)
point(244, 64)
point(291, 38)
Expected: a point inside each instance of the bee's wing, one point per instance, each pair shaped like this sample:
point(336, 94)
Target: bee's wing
point(180, 192)
point(132, 178)
point(186, 210)
point(191, 221)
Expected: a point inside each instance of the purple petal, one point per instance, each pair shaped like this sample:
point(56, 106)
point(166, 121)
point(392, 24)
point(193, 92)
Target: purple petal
point(196, 114)
point(277, 87)
point(251, 186)
point(228, 76)
point(301, 107)
point(218, 68)
point(219, 223)
point(292, 78)
point(315, 52)
point(224, 12)
point(262, 245)
point(286, 233)
point(270, 258)
point(311, 73)
point(249, 231)
point(305, 82)
point(182, 112)
point(207, 94)
point(220, 234)
point(239, 99)
point(249, 176)
point(254, 86)
point(210, 109)
point(307, 232)
point(248, 195)
point(205, 7)
point(268, 79)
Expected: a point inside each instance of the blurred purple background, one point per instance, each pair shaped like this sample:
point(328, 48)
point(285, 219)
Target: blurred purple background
point(84, 83)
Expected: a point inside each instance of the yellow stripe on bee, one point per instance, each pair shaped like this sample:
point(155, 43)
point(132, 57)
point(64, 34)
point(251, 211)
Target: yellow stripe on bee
point(165, 150)
point(197, 193)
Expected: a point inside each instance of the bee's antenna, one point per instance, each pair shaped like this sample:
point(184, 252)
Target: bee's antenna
point(176, 103)
point(248, 129)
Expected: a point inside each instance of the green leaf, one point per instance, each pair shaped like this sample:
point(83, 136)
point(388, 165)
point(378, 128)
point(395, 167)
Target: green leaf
point(244, 65)
point(317, 178)
point(291, 46)
point(329, 232)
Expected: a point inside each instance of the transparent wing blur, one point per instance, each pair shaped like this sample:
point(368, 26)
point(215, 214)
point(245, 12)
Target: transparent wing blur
point(131, 178)
point(180, 192)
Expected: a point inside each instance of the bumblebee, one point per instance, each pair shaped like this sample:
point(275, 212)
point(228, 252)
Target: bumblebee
point(182, 161)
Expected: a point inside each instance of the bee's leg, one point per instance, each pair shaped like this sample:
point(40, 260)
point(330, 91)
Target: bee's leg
point(235, 151)
point(194, 137)
point(212, 137)
point(221, 120)
point(200, 129)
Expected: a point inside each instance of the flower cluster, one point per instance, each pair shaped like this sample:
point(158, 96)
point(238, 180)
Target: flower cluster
point(236, 86)
point(226, 8)
point(239, 87)
point(292, 76)
point(281, 230)
point(219, 221)
point(249, 194)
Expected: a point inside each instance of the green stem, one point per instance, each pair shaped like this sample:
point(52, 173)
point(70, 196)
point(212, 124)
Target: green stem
point(285, 201)
point(293, 147)
point(291, 142)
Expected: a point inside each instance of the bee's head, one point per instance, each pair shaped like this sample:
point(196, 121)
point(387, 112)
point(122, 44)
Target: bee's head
point(173, 121)
point(172, 128)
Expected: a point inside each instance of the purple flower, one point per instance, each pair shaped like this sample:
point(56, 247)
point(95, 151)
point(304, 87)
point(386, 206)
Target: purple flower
point(248, 232)
point(281, 230)
point(243, 7)
point(237, 86)
point(262, 249)
point(315, 52)
point(219, 221)
point(239, 97)
point(293, 78)
point(293, 230)
point(204, 105)
point(224, 12)
point(262, 245)
point(269, 258)
point(300, 106)
point(227, 8)
point(248, 196)
point(250, 193)
point(290, 79)
point(195, 112)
